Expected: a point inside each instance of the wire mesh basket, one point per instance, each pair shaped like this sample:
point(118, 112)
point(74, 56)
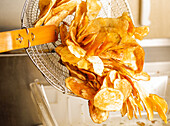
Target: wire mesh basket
point(45, 57)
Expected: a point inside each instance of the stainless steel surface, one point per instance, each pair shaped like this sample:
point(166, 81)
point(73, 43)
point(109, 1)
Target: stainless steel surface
point(44, 56)
point(16, 105)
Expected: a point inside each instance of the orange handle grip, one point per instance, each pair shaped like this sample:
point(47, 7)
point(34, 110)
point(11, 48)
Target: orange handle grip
point(25, 38)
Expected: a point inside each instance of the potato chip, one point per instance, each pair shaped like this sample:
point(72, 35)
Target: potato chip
point(74, 72)
point(80, 88)
point(112, 39)
point(124, 109)
point(80, 11)
point(84, 64)
point(97, 64)
point(56, 19)
point(160, 106)
point(77, 51)
point(141, 32)
point(45, 12)
point(69, 6)
point(101, 37)
point(124, 86)
point(67, 56)
point(129, 110)
point(93, 8)
point(134, 105)
point(97, 115)
point(109, 99)
point(63, 33)
point(43, 4)
point(145, 100)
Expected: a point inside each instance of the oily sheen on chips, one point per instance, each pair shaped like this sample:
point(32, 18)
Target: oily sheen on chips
point(103, 57)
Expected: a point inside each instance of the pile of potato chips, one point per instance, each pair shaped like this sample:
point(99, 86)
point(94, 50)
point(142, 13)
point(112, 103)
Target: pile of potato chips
point(103, 57)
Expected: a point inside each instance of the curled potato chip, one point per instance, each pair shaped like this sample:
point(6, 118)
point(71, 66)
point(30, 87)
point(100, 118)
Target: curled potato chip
point(80, 88)
point(74, 72)
point(108, 99)
point(55, 20)
point(66, 55)
point(141, 32)
point(97, 115)
point(145, 100)
point(160, 106)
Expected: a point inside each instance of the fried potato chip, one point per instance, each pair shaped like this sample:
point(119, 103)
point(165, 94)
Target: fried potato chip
point(43, 4)
point(74, 72)
point(77, 51)
point(124, 109)
point(97, 64)
point(160, 106)
point(112, 39)
point(44, 13)
point(56, 19)
point(134, 105)
point(80, 88)
point(93, 8)
point(69, 6)
point(97, 115)
point(109, 99)
point(84, 64)
point(141, 32)
point(124, 86)
point(145, 100)
point(97, 42)
point(63, 33)
point(129, 110)
point(141, 76)
point(109, 79)
point(140, 56)
point(80, 13)
point(67, 56)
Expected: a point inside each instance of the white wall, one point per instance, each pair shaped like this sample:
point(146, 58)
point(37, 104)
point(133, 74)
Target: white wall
point(10, 11)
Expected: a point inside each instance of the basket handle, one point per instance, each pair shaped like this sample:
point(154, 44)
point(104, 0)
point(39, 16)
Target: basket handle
point(24, 38)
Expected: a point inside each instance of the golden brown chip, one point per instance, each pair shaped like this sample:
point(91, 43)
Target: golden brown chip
point(124, 109)
point(56, 19)
point(141, 32)
point(63, 33)
point(84, 64)
point(44, 13)
point(129, 110)
point(66, 55)
point(134, 105)
point(145, 100)
point(69, 6)
point(124, 86)
point(43, 3)
point(97, 64)
point(74, 72)
point(97, 115)
point(77, 51)
point(93, 8)
point(97, 42)
point(109, 99)
point(160, 106)
point(80, 88)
